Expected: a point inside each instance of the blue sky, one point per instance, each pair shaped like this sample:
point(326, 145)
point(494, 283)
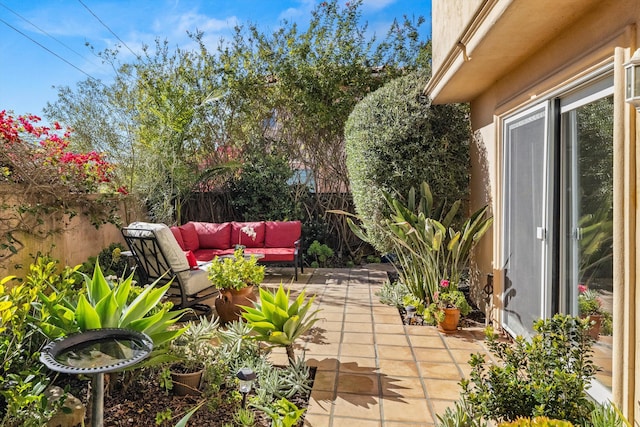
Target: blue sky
point(38, 30)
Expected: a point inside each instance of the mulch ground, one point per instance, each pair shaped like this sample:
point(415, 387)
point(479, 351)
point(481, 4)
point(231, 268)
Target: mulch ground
point(139, 404)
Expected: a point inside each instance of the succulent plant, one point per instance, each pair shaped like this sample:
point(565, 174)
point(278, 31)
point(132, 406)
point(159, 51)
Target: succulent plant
point(277, 322)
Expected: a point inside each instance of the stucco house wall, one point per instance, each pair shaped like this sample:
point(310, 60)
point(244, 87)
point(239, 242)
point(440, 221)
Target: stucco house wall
point(70, 240)
point(507, 54)
point(458, 13)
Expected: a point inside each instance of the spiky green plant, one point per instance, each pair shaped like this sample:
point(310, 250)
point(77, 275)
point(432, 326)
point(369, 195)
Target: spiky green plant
point(608, 415)
point(460, 415)
point(283, 413)
point(427, 250)
point(113, 304)
point(277, 322)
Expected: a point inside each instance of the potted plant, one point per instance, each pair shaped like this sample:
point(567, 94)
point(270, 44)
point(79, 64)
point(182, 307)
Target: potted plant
point(235, 277)
point(447, 306)
point(427, 249)
point(590, 306)
point(190, 352)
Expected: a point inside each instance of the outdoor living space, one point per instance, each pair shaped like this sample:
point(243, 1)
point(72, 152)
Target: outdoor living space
point(371, 369)
point(313, 225)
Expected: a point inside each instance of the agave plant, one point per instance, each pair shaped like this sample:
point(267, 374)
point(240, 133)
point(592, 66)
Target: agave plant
point(275, 321)
point(283, 413)
point(112, 304)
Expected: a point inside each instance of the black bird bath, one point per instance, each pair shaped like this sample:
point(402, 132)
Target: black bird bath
point(96, 352)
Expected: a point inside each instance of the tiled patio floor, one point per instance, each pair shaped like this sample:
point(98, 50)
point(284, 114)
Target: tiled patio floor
point(371, 369)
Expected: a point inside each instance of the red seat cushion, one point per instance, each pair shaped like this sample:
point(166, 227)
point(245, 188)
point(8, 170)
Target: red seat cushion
point(178, 235)
point(275, 254)
point(282, 234)
point(214, 235)
point(189, 237)
point(242, 238)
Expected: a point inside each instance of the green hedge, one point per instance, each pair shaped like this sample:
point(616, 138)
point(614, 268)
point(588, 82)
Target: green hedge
point(395, 139)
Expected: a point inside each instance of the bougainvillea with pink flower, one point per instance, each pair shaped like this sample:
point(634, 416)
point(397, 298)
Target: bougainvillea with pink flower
point(33, 153)
point(43, 183)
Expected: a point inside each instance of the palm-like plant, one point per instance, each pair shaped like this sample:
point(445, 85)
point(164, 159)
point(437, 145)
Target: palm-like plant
point(277, 322)
point(428, 250)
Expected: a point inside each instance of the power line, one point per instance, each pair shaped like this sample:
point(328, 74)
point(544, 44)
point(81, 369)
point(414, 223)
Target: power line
point(110, 30)
point(41, 30)
point(47, 49)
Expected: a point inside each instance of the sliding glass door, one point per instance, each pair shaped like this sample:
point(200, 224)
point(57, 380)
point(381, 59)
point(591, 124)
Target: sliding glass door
point(587, 255)
point(525, 231)
point(558, 212)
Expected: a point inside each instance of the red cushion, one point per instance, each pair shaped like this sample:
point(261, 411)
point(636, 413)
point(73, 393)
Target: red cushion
point(191, 259)
point(189, 237)
point(176, 233)
point(277, 254)
point(214, 235)
point(282, 234)
point(242, 238)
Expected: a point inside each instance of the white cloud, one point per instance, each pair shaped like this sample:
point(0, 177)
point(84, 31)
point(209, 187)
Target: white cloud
point(302, 10)
point(190, 21)
point(376, 4)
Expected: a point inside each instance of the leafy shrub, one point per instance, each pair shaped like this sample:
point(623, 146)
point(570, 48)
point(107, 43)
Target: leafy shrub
point(546, 376)
point(320, 253)
point(536, 422)
point(22, 377)
point(22, 381)
point(314, 228)
point(261, 190)
point(395, 139)
point(110, 259)
point(236, 272)
point(372, 259)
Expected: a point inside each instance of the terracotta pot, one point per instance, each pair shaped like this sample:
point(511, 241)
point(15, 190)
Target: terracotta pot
point(596, 324)
point(450, 323)
point(228, 301)
point(186, 384)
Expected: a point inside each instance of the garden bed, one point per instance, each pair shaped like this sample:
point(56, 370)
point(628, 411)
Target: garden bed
point(144, 401)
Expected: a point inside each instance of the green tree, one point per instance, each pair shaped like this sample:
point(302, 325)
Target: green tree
point(261, 190)
point(157, 120)
point(395, 139)
point(296, 88)
point(172, 113)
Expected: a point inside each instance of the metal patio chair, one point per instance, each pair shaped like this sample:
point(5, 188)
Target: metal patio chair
point(159, 257)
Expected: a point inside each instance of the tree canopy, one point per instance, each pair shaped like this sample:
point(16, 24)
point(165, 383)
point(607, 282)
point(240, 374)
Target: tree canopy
point(172, 115)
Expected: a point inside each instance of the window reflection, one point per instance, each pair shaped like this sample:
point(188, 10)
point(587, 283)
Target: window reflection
point(588, 136)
